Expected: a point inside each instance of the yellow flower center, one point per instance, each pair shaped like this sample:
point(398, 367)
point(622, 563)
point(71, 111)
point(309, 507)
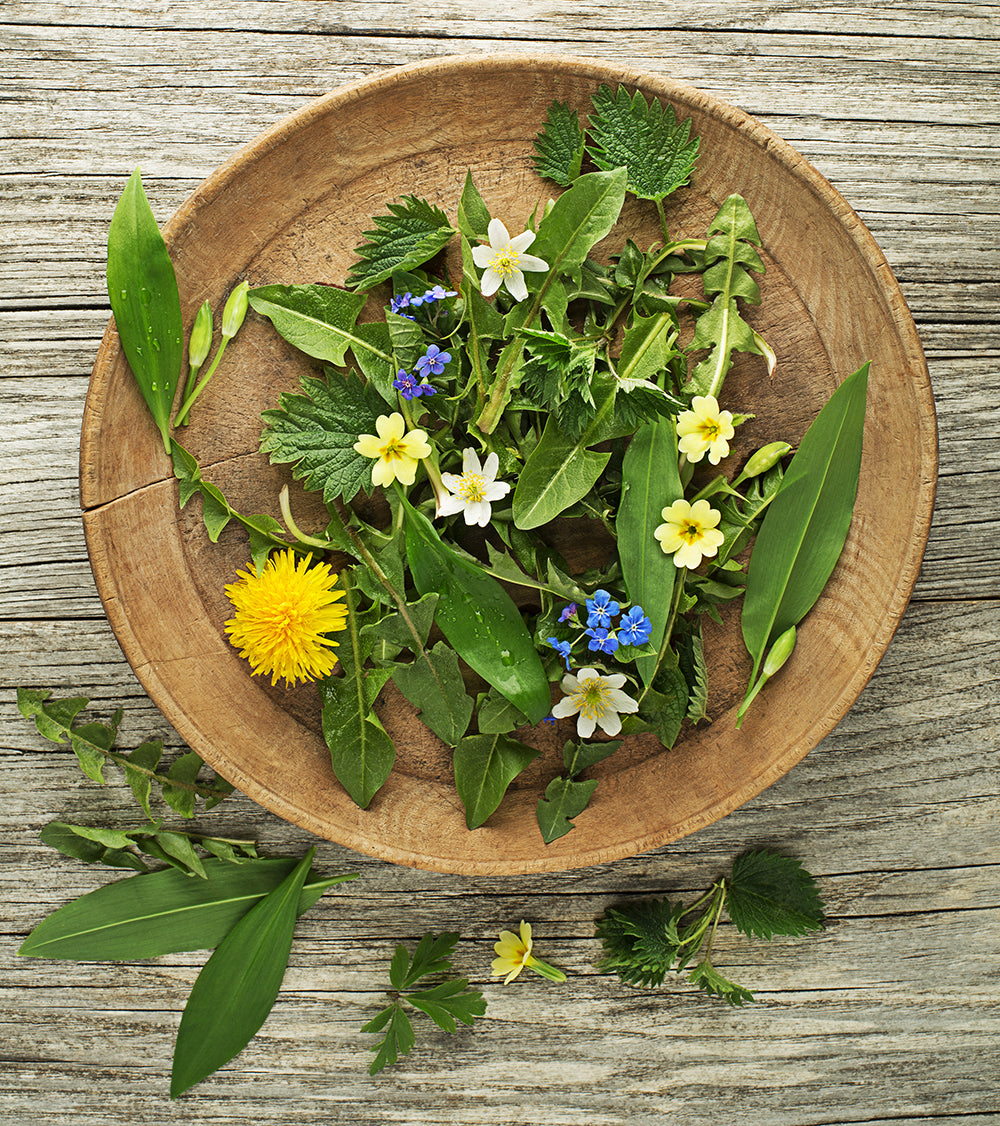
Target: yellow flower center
point(592, 698)
point(710, 429)
point(691, 532)
point(505, 261)
point(394, 448)
point(472, 487)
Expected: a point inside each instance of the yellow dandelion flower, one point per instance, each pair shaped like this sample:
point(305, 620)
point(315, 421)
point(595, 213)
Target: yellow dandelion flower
point(690, 533)
point(282, 615)
point(514, 953)
point(395, 449)
point(704, 430)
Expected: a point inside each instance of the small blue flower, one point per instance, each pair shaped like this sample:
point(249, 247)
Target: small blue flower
point(568, 611)
point(432, 361)
point(548, 719)
point(409, 388)
point(401, 302)
point(601, 641)
point(635, 628)
point(600, 610)
point(439, 293)
point(562, 648)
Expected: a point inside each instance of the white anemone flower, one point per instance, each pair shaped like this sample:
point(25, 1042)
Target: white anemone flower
point(598, 700)
point(473, 490)
point(505, 261)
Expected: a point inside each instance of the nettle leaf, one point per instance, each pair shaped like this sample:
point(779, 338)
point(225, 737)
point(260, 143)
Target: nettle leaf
point(564, 799)
point(316, 433)
point(409, 236)
point(708, 978)
point(640, 940)
point(771, 894)
point(433, 684)
point(485, 765)
point(559, 146)
point(646, 139)
point(691, 656)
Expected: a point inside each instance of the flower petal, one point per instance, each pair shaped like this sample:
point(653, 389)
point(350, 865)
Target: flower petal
point(522, 241)
point(565, 707)
point(490, 283)
point(497, 234)
point(482, 255)
point(532, 264)
point(516, 287)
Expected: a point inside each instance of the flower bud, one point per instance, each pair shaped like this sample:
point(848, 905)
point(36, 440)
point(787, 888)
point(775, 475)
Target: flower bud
point(235, 310)
point(765, 458)
point(200, 340)
point(781, 650)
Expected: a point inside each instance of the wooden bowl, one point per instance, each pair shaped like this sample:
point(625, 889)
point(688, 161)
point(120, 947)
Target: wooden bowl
point(290, 208)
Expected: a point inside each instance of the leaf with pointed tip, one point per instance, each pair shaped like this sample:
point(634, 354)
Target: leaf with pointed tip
point(485, 765)
point(409, 236)
point(559, 145)
point(769, 894)
point(564, 799)
point(145, 757)
point(184, 770)
point(433, 684)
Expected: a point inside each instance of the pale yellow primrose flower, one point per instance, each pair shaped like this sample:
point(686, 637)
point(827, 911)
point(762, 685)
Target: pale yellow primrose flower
point(504, 260)
point(473, 490)
point(598, 700)
point(397, 451)
point(704, 429)
point(514, 953)
point(690, 533)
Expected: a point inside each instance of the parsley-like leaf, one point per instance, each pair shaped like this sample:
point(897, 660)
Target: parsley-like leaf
point(645, 138)
point(410, 236)
point(445, 1003)
point(772, 894)
point(559, 146)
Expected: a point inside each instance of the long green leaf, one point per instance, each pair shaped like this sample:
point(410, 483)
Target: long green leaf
point(652, 483)
point(485, 765)
point(163, 912)
point(805, 527)
point(478, 618)
point(142, 288)
point(238, 985)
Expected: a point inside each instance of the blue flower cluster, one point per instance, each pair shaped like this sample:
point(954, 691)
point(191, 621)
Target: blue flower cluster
point(407, 300)
point(633, 627)
point(430, 363)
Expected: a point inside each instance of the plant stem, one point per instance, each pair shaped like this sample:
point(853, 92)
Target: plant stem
point(181, 418)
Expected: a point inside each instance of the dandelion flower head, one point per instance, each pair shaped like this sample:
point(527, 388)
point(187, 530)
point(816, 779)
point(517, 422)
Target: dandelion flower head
point(283, 613)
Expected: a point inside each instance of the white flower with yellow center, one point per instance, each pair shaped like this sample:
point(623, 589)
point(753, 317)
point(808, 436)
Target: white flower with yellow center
point(689, 533)
point(704, 429)
point(505, 261)
point(473, 490)
point(395, 449)
point(598, 700)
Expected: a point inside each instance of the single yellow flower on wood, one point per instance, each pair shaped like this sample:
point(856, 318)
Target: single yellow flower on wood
point(690, 533)
point(282, 615)
point(514, 953)
point(395, 449)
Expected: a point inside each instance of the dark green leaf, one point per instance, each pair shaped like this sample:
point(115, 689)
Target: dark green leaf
point(398, 1040)
point(805, 527)
point(564, 799)
point(163, 912)
point(52, 718)
point(640, 940)
point(143, 759)
point(771, 894)
point(559, 145)
point(448, 1002)
point(408, 237)
point(142, 288)
point(185, 771)
point(578, 757)
point(646, 139)
point(238, 985)
point(432, 956)
point(68, 840)
point(708, 978)
point(497, 716)
point(361, 752)
point(433, 684)
point(485, 765)
point(473, 215)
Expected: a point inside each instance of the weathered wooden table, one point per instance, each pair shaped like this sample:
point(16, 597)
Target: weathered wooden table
point(891, 1014)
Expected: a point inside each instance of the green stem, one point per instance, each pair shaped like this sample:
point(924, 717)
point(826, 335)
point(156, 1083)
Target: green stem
point(286, 515)
point(663, 220)
point(543, 969)
point(180, 419)
point(201, 789)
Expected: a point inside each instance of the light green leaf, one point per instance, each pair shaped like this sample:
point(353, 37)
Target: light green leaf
point(647, 346)
point(317, 319)
point(433, 684)
point(142, 288)
point(68, 840)
point(473, 215)
point(497, 716)
point(185, 770)
point(564, 799)
point(146, 757)
point(485, 765)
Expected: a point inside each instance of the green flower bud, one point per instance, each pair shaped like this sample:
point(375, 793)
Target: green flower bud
point(766, 457)
point(200, 340)
point(781, 650)
point(235, 310)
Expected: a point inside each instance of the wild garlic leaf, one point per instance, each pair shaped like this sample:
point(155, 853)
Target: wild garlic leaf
point(316, 432)
point(645, 138)
point(409, 236)
point(564, 799)
point(769, 894)
point(559, 146)
point(708, 978)
point(142, 288)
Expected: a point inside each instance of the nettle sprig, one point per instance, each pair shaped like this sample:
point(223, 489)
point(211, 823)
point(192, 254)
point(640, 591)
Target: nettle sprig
point(766, 894)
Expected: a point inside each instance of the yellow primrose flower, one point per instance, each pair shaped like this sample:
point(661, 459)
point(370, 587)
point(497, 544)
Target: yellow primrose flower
point(514, 953)
point(704, 429)
point(690, 533)
point(282, 613)
point(396, 450)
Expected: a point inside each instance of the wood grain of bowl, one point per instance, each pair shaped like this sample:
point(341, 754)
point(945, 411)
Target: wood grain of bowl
point(290, 208)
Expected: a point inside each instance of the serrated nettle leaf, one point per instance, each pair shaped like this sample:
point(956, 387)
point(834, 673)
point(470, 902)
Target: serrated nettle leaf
point(163, 912)
point(433, 684)
point(769, 894)
point(708, 978)
point(640, 940)
point(559, 145)
point(652, 483)
point(806, 524)
point(317, 319)
point(142, 288)
point(473, 214)
point(691, 657)
point(238, 985)
point(485, 765)
point(564, 799)
point(478, 618)
point(316, 433)
point(646, 139)
point(409, 236)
